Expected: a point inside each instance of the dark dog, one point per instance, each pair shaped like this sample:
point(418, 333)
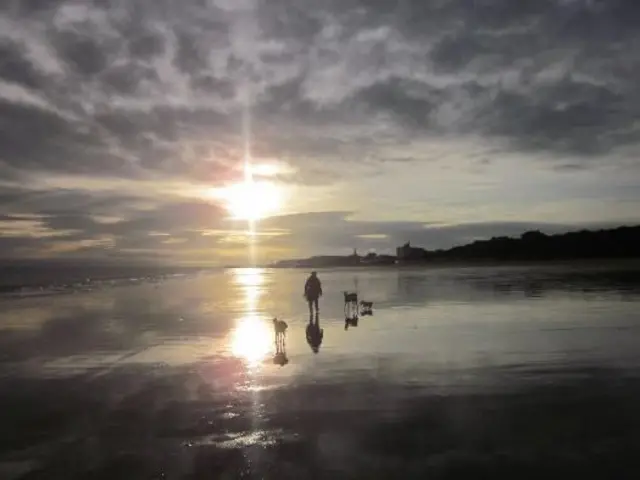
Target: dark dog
point(366, 308)
point(280, 329)
point(280, 326)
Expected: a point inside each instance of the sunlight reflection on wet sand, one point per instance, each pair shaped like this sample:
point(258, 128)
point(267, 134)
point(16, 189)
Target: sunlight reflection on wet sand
point(251, 339)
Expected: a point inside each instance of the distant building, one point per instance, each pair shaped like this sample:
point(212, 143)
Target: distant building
point(407, 253)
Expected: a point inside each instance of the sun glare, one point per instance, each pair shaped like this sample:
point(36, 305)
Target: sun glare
point(250, 200)
point(251, 340)
point(253, 200)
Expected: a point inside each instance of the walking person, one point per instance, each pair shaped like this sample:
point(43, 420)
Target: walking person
point(312, 292)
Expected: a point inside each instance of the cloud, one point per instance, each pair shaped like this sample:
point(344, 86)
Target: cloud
point(116, 109)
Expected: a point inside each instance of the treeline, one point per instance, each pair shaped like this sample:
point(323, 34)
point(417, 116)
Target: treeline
point(622, 242)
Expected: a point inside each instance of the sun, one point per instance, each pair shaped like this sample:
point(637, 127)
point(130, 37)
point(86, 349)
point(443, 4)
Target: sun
point(252, 200)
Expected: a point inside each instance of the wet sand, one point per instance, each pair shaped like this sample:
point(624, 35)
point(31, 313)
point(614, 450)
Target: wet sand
point(460, 373)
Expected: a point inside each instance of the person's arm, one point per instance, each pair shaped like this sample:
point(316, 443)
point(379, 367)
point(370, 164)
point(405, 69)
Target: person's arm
point(320, 287)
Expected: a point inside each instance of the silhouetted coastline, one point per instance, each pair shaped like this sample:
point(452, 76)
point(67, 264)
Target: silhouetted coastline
point(531, 246)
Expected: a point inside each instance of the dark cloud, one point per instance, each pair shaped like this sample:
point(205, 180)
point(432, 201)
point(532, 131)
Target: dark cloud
point(15, 68)
point(569, 116)
point(403, 99)
point(85, 55)
point(146, 44)
point(291, 20)
point(126, 79)
point(34, 7)
point(44, 140)
point(21, 124)
point(172, 217)
point(17, 200)
point(213, 85)
point(192, 52)
point(395, 59)
point(89, 224)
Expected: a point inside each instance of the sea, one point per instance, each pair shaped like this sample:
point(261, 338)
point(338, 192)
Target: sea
point(460, 372)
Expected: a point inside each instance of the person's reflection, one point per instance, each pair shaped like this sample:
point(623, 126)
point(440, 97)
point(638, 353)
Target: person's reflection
point(314, 333)
point(280, 358)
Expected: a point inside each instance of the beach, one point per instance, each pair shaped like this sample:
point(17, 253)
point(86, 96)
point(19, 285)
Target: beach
point(483, 372)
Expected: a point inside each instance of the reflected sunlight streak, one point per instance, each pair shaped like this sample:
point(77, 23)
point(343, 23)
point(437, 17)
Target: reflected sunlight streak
point(252, 338)
point(249, 277)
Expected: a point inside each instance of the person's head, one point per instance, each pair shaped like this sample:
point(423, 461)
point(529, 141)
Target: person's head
point(314, 274)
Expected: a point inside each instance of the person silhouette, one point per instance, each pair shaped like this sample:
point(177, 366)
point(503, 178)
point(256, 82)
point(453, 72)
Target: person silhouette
point(312, 292)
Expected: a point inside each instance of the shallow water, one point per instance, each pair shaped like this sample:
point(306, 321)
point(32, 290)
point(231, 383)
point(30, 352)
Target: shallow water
point(512, 371)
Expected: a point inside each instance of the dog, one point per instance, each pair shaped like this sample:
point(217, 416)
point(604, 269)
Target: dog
point(280, 326)
point(366, 308)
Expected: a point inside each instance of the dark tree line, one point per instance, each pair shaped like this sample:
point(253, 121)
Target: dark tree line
point(622, 242)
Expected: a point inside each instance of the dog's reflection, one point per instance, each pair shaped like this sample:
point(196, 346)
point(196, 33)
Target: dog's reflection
point(352, 317)
point(315, 334)
point(280, 329)
point(350, 322)
point(366, 308)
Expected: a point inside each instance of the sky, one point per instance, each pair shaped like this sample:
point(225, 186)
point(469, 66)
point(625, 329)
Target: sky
point(123, 124)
